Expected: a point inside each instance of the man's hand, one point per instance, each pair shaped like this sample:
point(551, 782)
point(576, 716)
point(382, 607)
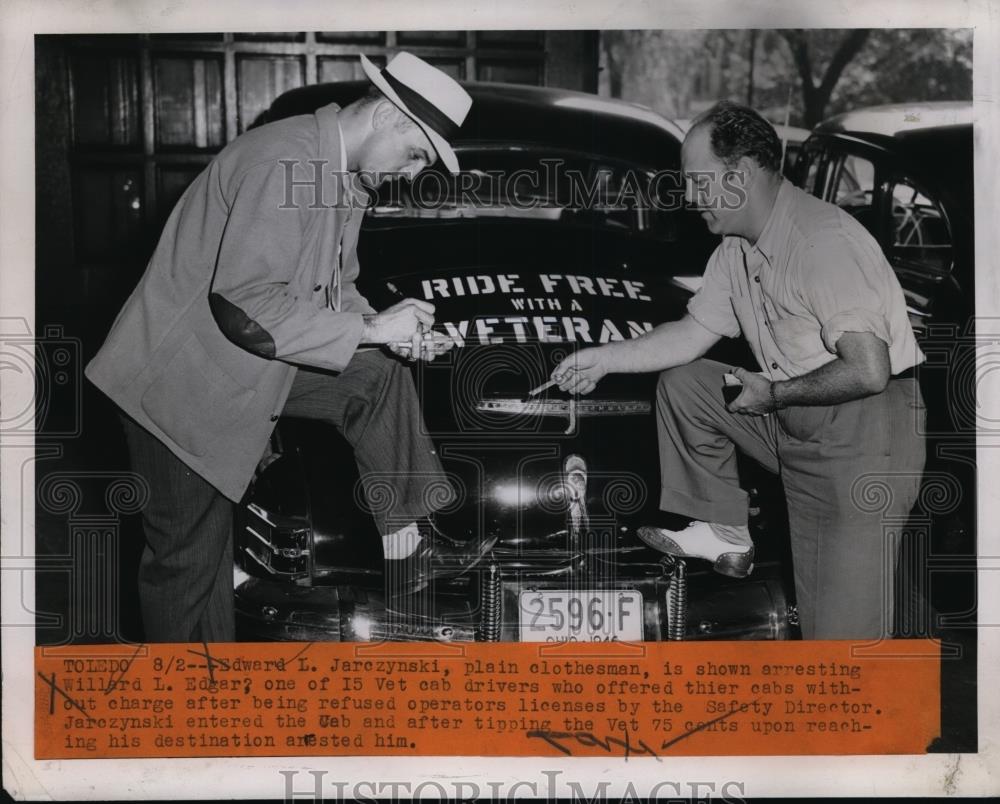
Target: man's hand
point(431, 345)
point(580, 372)
point(404, 321)
point(755, 399)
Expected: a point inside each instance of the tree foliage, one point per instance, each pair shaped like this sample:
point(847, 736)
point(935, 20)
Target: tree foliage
point(824, 72)
point(817, 85)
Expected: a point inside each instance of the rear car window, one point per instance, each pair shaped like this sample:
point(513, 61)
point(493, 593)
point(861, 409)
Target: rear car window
point(921, 234)
point(518, 182)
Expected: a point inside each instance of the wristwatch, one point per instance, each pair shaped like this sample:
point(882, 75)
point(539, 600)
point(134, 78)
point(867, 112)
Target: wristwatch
point(774, 399)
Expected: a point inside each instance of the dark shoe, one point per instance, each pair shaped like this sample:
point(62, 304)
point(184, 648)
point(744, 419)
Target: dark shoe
point(436, 556)
point(699, 541)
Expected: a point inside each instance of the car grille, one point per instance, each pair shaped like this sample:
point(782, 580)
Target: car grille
point(274, 545)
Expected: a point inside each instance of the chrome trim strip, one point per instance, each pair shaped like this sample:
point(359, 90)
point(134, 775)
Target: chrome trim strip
point(267, 544)
point(565, 407)
point(256, 509)
point(267, 567)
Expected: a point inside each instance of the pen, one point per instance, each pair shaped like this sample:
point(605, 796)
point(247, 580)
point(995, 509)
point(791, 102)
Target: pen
point(395, 291)
point(540, 388)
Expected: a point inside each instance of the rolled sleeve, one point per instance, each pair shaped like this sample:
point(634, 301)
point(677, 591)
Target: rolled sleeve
point(712, 305)
point(856, 320)
point(840, 286)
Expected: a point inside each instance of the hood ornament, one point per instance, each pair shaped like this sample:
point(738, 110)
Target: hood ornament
point(575, 483)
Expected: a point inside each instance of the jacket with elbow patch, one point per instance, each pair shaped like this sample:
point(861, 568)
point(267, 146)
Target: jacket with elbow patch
point(254, 274)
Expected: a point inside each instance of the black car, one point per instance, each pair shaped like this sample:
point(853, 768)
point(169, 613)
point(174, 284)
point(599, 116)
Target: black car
point(905, 171)
point(565, 228)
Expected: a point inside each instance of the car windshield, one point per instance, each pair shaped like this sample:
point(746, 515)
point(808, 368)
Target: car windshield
point(510, 181)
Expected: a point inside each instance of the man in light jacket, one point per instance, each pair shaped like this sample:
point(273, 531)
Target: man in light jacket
point(247, 311)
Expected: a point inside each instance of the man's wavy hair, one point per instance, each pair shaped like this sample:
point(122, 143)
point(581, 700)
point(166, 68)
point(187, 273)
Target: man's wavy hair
point(738, 131)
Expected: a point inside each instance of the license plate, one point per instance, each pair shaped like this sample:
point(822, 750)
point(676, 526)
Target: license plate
point(570, 616)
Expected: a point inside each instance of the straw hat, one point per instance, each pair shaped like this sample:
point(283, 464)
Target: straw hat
point(425, 94)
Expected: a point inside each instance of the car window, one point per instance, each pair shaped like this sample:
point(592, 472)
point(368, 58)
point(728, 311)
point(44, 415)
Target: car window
point(517, 182)
point(853, 189)
point(792, 152)
point(855, 182)
point(809, 170)
point(921, 234)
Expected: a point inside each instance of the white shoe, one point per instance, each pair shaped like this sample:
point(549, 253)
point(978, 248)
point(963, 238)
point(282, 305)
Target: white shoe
point(702, 540)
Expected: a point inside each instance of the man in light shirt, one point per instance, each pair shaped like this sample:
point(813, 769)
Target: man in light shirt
point(835, 409)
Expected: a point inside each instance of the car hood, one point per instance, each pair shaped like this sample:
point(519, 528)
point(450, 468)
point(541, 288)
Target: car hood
point(502, 283)
point(517, 300)
point(540, 473)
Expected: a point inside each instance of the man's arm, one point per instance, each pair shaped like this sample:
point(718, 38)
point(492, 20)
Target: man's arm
point(258, 258)
point(252, 294)
point(860, 369)
point(351, 298)
point(673, 343)
point(839, 278)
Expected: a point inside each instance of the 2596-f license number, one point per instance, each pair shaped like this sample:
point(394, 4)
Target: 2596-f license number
point(570, 616)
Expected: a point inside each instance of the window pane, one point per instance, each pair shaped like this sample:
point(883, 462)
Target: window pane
point(537, 185)
point(920, 230)
point(106, 100)
point(792, 152)
point(344, 68)
point(261, 80)
point(510, 39)
point(452, 67)
point(271, 36)
point(354, 37)
point(855, 183)
point(807, 170)
point(189, 102)
point(854, 189)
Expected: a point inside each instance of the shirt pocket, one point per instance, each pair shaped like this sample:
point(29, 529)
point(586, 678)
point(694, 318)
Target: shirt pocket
point(193, 400)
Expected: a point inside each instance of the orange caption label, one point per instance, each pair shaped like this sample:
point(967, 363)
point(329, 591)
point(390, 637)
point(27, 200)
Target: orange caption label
point(629, 699)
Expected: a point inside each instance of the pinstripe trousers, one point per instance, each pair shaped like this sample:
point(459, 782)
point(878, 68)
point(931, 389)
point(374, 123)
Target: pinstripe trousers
point(186, 569)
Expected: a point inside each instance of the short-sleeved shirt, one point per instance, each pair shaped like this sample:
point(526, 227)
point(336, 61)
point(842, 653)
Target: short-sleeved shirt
point(813, 274)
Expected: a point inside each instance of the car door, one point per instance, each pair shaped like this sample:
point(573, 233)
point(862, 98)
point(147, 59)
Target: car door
point(897, 212)
point(920, 246)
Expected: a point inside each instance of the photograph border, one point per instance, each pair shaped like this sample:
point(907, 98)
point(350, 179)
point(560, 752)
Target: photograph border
point(200, 778)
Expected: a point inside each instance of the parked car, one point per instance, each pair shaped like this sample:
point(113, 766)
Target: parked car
point(906, 172)
point(521, 274)
point(792, 139)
